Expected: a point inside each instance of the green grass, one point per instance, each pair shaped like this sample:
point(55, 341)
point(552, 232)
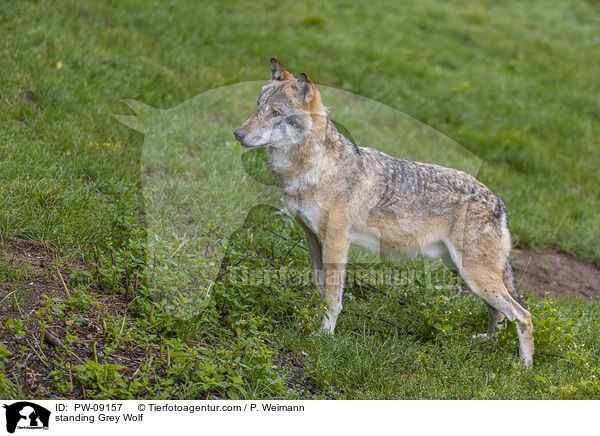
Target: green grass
point(515, 83)
point(369, 360)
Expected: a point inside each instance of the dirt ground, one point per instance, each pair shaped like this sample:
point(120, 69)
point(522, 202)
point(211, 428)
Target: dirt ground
point(22, 298)
point(542, 272)
point(559, 274)
point(40, 281)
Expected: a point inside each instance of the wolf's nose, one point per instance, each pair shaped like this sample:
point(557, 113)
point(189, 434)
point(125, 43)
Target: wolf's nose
point(239, 134)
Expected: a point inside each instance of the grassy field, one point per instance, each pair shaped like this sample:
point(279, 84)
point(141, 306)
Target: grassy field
point(515, 83)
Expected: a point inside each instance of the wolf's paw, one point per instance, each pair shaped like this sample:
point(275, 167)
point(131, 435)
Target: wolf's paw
point(527, 363)
point(327, 327)
point(483, 336)
point(526, 360)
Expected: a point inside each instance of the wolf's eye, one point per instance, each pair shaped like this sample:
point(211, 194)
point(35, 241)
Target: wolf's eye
point(275, 113)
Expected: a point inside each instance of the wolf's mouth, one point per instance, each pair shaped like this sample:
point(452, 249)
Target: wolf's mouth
point(240, 137)
point(247, 146)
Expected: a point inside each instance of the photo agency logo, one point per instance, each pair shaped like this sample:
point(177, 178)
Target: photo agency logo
point(25, 415)
point(202, 189)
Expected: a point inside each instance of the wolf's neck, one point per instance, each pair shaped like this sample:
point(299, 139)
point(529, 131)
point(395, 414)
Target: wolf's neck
point(333, 142)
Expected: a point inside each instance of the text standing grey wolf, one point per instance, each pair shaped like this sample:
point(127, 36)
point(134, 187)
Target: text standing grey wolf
point(343, 194)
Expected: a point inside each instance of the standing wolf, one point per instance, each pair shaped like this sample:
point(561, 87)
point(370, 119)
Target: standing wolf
point(342, 194)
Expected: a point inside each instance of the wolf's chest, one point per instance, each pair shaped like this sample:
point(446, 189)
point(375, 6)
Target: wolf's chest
point(306, 211)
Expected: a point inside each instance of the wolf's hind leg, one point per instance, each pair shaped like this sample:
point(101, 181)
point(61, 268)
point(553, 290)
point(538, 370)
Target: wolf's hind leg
point(488, 285)
point(495, 321)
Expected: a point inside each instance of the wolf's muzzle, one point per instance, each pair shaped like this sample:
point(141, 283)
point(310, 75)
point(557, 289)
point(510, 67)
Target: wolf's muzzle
point(239, 134)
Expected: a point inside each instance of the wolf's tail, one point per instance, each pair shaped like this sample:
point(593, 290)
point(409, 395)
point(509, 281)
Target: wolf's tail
point(511, 283)
point(508, 277)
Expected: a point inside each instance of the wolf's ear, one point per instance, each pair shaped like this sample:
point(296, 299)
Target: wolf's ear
point(306, 87)
point(278, 72)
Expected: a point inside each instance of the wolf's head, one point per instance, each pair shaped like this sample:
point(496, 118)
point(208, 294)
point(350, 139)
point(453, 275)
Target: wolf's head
point(286, 112)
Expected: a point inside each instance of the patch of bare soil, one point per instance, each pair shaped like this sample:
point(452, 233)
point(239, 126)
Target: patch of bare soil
point(25, 292)
point(38, 352)
point(296, 377)
point(560, 274)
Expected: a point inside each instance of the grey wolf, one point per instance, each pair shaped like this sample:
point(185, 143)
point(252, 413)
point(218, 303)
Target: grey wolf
point(343, 194)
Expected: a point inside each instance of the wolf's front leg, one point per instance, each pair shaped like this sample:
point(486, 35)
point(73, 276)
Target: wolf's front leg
point(316, 255)
point(335, 252)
